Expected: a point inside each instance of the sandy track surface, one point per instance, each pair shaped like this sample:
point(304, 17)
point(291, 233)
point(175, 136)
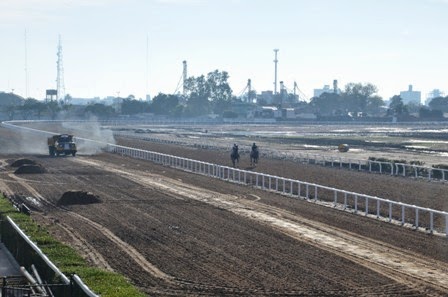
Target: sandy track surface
point(174, 234)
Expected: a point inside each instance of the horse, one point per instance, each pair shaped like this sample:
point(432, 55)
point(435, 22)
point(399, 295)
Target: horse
point(254, 156)
point(235, 156)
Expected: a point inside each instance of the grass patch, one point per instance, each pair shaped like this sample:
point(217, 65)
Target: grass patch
point(105, 283)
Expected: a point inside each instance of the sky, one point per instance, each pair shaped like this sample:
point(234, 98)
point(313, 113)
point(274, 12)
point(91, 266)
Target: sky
point(135, 47)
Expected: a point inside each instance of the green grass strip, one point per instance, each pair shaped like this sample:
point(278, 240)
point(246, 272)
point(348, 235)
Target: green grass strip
point(105, 283)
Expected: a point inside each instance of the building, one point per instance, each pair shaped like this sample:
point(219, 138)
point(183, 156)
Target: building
point(411, 96)
point(433, 94)
point(327, 89)
point(266, 97)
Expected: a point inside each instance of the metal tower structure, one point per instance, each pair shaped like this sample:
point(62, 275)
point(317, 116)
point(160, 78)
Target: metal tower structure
point(335, 86)
point(249, 90)
point(184, 78)
point(147, 69)
point(60, 76)
point(275, 74)
point(26, 67)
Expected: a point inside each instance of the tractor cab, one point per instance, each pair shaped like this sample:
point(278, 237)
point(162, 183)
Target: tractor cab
point(61, 144)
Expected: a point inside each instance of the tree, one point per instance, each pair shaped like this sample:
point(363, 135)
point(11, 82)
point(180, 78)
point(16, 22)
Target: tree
point(426, 113)
point(439, 103)
point(205, 94)
point(396, 106)
point(374, 105)
point(327, 104)
point(132, 106)
point(220, 91)
point(164, 104)
point(29, 107)
point(53, 107)
point(100, 110)
point(197, 105)
point(356, 96)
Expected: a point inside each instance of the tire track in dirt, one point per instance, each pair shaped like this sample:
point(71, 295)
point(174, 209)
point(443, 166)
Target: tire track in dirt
point(128, 249)
point(409, 269)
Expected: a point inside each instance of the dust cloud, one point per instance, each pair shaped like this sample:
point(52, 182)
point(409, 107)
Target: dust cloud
point(89, 136)
point(23, 141)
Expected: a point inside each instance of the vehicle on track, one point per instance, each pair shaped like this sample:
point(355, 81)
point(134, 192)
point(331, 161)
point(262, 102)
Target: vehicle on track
point(62, 144)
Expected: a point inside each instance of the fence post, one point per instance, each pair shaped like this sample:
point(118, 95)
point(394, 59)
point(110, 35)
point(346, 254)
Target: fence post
point(377, 209)
point(446, 225)
point(367, 206)
point(431, 222)
point(416, 218)
point(390, 212)
point(402, 215)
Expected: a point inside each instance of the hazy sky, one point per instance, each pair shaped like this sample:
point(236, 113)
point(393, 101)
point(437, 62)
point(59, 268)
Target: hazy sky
point(390, 43)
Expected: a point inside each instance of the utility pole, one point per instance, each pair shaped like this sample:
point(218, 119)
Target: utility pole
point(26, 67)
point(249, 90)
point(184, 78)
point(147, 69)
point(275, 74)
point(60, 77)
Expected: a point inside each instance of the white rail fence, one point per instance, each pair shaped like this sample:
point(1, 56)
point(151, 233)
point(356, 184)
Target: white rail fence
point(76, 279)
point(376, 166)
point(420, 218)
point(382, 167)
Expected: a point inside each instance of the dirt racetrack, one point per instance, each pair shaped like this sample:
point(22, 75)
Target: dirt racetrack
point(174, 234)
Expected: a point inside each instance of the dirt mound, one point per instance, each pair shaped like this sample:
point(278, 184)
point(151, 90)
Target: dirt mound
point(78, 197)
point(30, 168)
point(20, 162)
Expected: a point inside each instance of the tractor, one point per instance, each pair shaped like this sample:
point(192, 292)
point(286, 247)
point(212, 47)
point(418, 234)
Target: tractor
point(61, 144)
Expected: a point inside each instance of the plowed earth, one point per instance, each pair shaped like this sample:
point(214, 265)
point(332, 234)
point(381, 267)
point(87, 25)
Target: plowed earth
point(173, 233)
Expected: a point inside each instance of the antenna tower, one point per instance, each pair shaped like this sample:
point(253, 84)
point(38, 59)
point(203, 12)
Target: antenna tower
point(60, 77)
point(275, 74)
point(26, 68)
point(249, 90)
point(184, 77)
point(147, 67)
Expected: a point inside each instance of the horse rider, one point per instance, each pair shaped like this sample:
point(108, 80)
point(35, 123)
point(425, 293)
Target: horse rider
point(235, 148)
point(254, 147)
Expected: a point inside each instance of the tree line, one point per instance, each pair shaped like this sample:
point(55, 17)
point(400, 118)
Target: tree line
point(212, 94)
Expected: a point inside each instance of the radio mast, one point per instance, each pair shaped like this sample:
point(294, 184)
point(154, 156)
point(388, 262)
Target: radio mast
point(60, 77)
point(26, 67)
point(184, 78)
point(275, 74)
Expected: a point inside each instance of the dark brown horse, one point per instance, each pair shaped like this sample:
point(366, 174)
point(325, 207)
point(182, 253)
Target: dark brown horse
point(254, 156)
point(235, 156)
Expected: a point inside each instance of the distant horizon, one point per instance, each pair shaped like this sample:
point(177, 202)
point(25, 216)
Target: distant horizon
point(137, 46)
point(423, 100)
